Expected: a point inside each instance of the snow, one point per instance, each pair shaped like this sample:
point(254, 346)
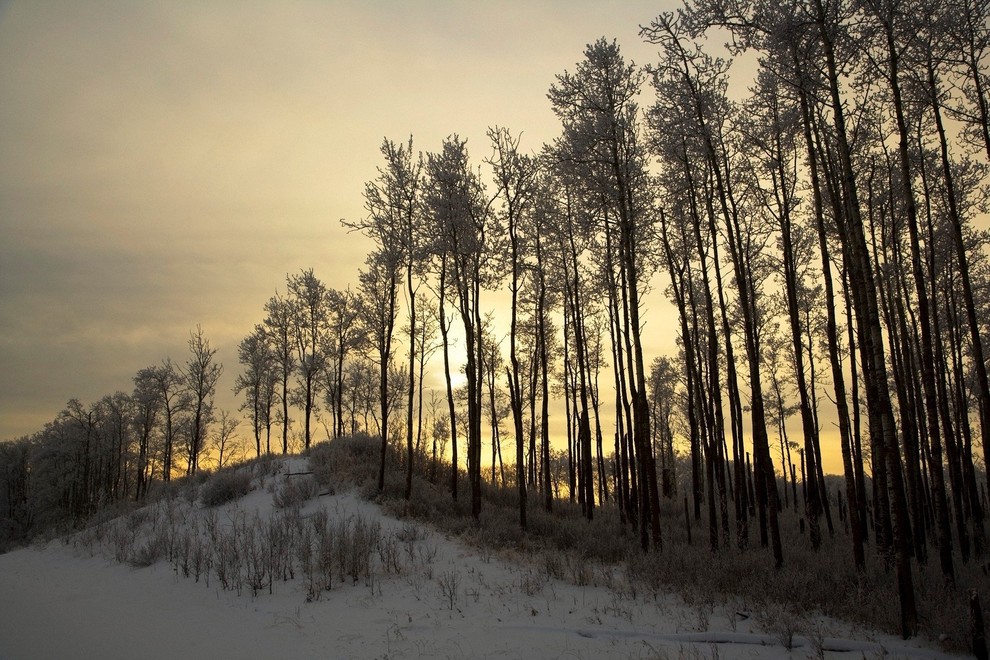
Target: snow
point(449, 601)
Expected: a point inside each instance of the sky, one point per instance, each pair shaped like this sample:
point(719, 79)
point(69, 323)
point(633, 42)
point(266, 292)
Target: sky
point(164, 165)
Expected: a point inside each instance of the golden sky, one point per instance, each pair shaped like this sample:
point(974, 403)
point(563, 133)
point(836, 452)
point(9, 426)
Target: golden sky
point(164, 165)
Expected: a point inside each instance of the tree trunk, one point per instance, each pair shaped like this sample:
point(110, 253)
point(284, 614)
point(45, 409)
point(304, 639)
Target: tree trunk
point(411, 392)
point(871, 343)
point(452, 410)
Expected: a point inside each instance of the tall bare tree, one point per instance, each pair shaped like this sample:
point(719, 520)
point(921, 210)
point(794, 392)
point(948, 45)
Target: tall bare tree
point(257, 382)
point(515, 179)
point(148, 406)
point(309, 304)
point(343, 338)
point(464, 232)
point(201, 374)
point(378, 291)
point(225, 440)
point(278, 327)
point(821, 30)
point(392, 203)
point(600, 117)
point(167, 379)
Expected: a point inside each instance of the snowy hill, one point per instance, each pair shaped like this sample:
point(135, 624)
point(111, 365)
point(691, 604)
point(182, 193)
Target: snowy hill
point(286, 571)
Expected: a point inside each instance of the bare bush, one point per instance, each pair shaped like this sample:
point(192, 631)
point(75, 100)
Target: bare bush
point(150, 551)
point(224, 487)
point(265, 466)
point(389, 553)
point(782, 622)
point(359, 540)
point(450, 584)
point(121, 542)
point(294, 491)
point(348, 460)
point(305, 557)
point(532, 582)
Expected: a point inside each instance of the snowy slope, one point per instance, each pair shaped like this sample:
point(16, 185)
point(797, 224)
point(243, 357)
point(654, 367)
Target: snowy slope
point(441, 599)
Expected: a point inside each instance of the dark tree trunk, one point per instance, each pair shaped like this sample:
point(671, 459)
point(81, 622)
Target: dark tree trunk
point(870, 336)
point(451, 408)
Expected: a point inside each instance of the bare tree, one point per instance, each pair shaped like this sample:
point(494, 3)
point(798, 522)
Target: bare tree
point(226, 442)
point(702, 79)
point(344, 337)
point(817, 34)
point(309, 305)
point(148, 406)
point(174, 400)
point(597, 107)
point(491, 368)
point(379, 284)
point(663, 398)
point(201, 375)
point(257, 382)
point(391, 201)
point(426, 346)
point(464, 229)
point(278, 326)
point(515, 177)
point(545, 215)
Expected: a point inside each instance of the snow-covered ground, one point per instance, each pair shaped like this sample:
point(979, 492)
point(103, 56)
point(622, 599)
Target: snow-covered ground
point(447, 601)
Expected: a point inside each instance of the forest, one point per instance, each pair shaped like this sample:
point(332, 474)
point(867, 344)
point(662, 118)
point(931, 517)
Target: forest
point(819, 237)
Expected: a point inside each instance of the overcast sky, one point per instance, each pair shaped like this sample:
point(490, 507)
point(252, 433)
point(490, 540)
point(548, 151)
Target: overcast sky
point(164, 165)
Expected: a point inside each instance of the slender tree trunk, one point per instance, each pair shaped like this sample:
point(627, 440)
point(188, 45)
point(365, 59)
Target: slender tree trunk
point(515, 390)
point(902, 358)
point(743, 503)
point(285, 412)
point(766, 488)
point(586, 473)
point(419, 386)
point(921, 293)
point(626, 469)
point(873, 353)
point(452, 410)
point(641, 408)
point(544, 373)
point(475, 337)
point(677, 271)
point(813, 503)
point(411, 391)
point(715, 425)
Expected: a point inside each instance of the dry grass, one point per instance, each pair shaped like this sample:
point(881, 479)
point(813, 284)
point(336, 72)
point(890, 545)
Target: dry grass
point(568, 546)
point(249, 553)
point(560, 544)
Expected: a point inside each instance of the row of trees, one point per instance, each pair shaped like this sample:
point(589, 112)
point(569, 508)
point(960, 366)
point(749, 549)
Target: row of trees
point(842, 157)
point(817, 243)
point(113, 450)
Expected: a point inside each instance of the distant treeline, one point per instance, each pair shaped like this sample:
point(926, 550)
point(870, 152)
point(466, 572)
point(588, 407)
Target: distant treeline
point(92, 457)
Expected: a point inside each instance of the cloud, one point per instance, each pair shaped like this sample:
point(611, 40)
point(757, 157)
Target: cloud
point(165, 165)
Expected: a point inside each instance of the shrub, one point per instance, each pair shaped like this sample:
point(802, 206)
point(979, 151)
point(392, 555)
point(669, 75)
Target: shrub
point(350, 460)
point(225, 487)
point(266, 465)
point(150, 551)
point(293, 492)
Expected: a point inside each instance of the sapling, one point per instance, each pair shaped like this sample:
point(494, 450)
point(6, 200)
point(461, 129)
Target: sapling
point(449, 582)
